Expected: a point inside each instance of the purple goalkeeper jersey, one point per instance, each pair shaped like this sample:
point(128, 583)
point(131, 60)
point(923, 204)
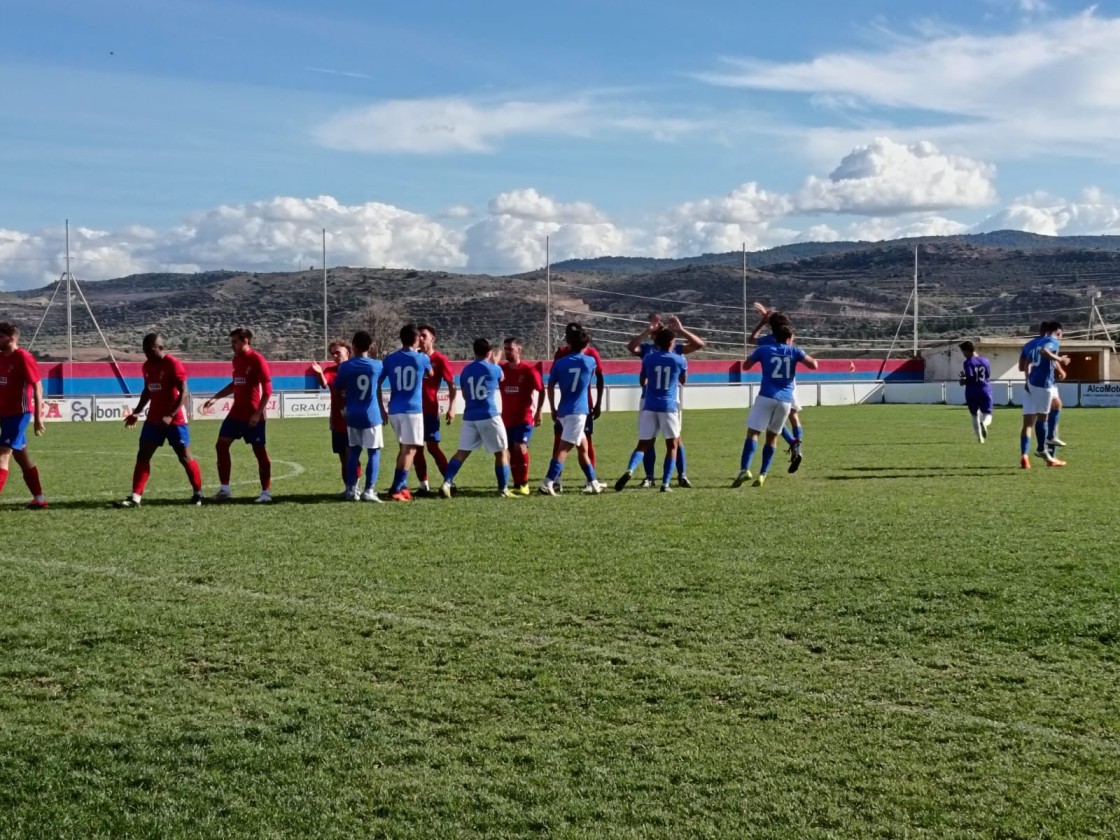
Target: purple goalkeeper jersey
point(977, 373)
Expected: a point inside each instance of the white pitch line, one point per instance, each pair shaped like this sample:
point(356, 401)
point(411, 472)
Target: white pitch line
point(628, 656)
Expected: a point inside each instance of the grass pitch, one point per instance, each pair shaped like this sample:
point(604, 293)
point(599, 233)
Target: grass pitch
point(909, 638)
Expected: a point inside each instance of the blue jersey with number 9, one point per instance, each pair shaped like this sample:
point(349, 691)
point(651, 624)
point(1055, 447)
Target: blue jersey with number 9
point(357, 379)
point(779, 365)
point(479, 384)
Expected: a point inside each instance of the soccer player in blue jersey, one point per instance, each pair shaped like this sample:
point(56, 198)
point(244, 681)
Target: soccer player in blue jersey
point(976, 376)
point(1046, 428)
point(779, 366)
point(795, 434)
point(1041, 362)
point(571, 375)
point(357, 381)
point(663, 372)
point(639, 347)
point(482, 419)
point(405, 369)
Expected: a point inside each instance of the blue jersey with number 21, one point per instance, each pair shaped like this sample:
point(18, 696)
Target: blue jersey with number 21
point(572, 375)
point(405, 371)
point(779, 365)
point(357, 379)
point(662, 373)
point(479, 383)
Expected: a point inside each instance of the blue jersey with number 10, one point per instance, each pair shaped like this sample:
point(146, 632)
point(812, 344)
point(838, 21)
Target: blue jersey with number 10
point(662, 373)
point(357, 379)
point(779, 366)
point(572, 375)
point(479, 383)
point(405, 371)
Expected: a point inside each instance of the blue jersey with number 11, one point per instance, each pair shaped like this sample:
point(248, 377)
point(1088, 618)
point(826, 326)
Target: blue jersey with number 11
point(405, 371)
point(357, 379)
point(779, 366)
point(572, 375)
point(662, 374)
point(479, 383)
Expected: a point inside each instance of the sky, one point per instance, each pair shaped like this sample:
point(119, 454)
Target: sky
point(187, 135)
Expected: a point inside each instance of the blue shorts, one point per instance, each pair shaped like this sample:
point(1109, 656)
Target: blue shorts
point(240, 429)
point(520, 433)
point(13, 431)
point(431, 427)
point(178, 436)
point(340, 442)
point(588, 427)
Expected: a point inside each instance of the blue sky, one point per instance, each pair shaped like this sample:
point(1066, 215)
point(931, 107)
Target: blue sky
point(187, 134)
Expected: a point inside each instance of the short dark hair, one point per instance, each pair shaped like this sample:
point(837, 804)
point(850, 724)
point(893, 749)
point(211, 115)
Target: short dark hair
point(783, 333)
point(967, 347)
point(244, 333)
point(9, 329)
point(421, 327)
point(1055, 326)
point(362, 341)
point(663, 338)
point(778, 319)
point(512, 340)
point(482, 347)
point(409, 332)
point(571, 329)
point(578, 340)
point(150, 340)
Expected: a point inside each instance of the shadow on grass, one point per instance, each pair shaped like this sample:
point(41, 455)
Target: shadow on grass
point(997, 468)
point(977, 473)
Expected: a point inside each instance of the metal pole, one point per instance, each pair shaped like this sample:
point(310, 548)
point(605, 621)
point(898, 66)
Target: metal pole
point(547, 296)
point(326, 334)
point(915, 301)
point(746, 325)
point(69, 301)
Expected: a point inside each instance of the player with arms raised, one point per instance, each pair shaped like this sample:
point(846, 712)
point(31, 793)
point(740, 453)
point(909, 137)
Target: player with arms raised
point(165, 394)
point(251, 387)
point(795, 434)
point(482, 422)
point(357, 383)
point(771, 409)
point(572, 376)
point(521, 382)
point(405, 370)
point(21, 405)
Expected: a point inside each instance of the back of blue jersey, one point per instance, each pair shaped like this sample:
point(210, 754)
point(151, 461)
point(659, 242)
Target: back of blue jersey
point(647, 347)
point(572, 375)
point(479, 385)
point(662, 372)
point(779, 367)
point(405, 371)
point(1042, 369)
point(357, 379)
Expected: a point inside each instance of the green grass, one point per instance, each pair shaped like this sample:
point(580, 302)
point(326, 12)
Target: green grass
point(909, 638)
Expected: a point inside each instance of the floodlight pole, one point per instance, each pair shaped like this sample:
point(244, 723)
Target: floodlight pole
point(326, 334)
point(69, 302)
point(547, 296)
point(746, 326)
point(915, 301)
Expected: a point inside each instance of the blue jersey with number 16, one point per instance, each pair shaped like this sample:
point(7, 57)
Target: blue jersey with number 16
point(405, 371)
point(479, 383)
point(572, 375)
point(779, 366)
point(357, 379)
point(662, 374)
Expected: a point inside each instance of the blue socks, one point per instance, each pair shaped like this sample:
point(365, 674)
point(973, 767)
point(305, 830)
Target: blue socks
point(353, 461)
point(501, 472)
point(373, 467)
point(1024, 445)
point(787, 435)
point(588, 471)
point(453, 467)
point(680, 460)
point(639, 457)
point(767, 457)
point(554, 470)
point(667, 469)
point(1052, 423)
point(400, 479)
point(749, 447)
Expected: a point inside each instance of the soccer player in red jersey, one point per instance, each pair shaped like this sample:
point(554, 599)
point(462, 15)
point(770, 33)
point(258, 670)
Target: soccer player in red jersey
point(441, 372)
point(251, 388)
point(563, 350)
point(520, 382)
point(340, 436)
point(21, 404)
point(165, 388)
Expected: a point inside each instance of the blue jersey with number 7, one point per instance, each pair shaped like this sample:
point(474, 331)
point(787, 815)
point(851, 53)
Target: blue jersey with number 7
point(357, 379)
point(779, 366)
point(572, 375)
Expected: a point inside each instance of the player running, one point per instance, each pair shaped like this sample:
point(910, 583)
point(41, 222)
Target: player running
point(976, 377)
point(165, 394)
point(779, 365)
point(441, 372)
point(482, 421)
point(521, 382)
point(572, 376)
point(357, 383)
point(340, 352)
point(21, 405)
point(1039, 359)
point(405, 369)
point(663, 372)
point(639, 347)
point(251, 388)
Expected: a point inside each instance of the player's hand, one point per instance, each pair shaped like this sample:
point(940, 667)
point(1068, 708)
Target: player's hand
point(761, 308)
point(553, 415)
point(1061, 373)
point(654, 323)
point(39, 427)
point(1065, 360)
point(130, 420)
point(208, 404)
point(596, 412)
point(255, 419)
point(450, 415)
point(168, 420)
point(316, 367)
point(675, 324)
point(537, 420)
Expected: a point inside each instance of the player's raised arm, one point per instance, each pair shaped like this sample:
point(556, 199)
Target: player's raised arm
point(764, 319)
point(809, 362)
point(692, 342)
point(317, 369)
point(634, 345)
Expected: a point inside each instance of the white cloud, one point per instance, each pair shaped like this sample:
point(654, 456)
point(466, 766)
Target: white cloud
point(531, 205)
point(886, 177)
point(1094, 213)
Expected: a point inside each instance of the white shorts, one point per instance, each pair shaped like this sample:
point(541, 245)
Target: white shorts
point(409, 428)
point(794, 405)
point(654, 423)
point(488, 434)
point(1037, 400)
point(370, 438)
point(572, 428)
point(768, 414)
